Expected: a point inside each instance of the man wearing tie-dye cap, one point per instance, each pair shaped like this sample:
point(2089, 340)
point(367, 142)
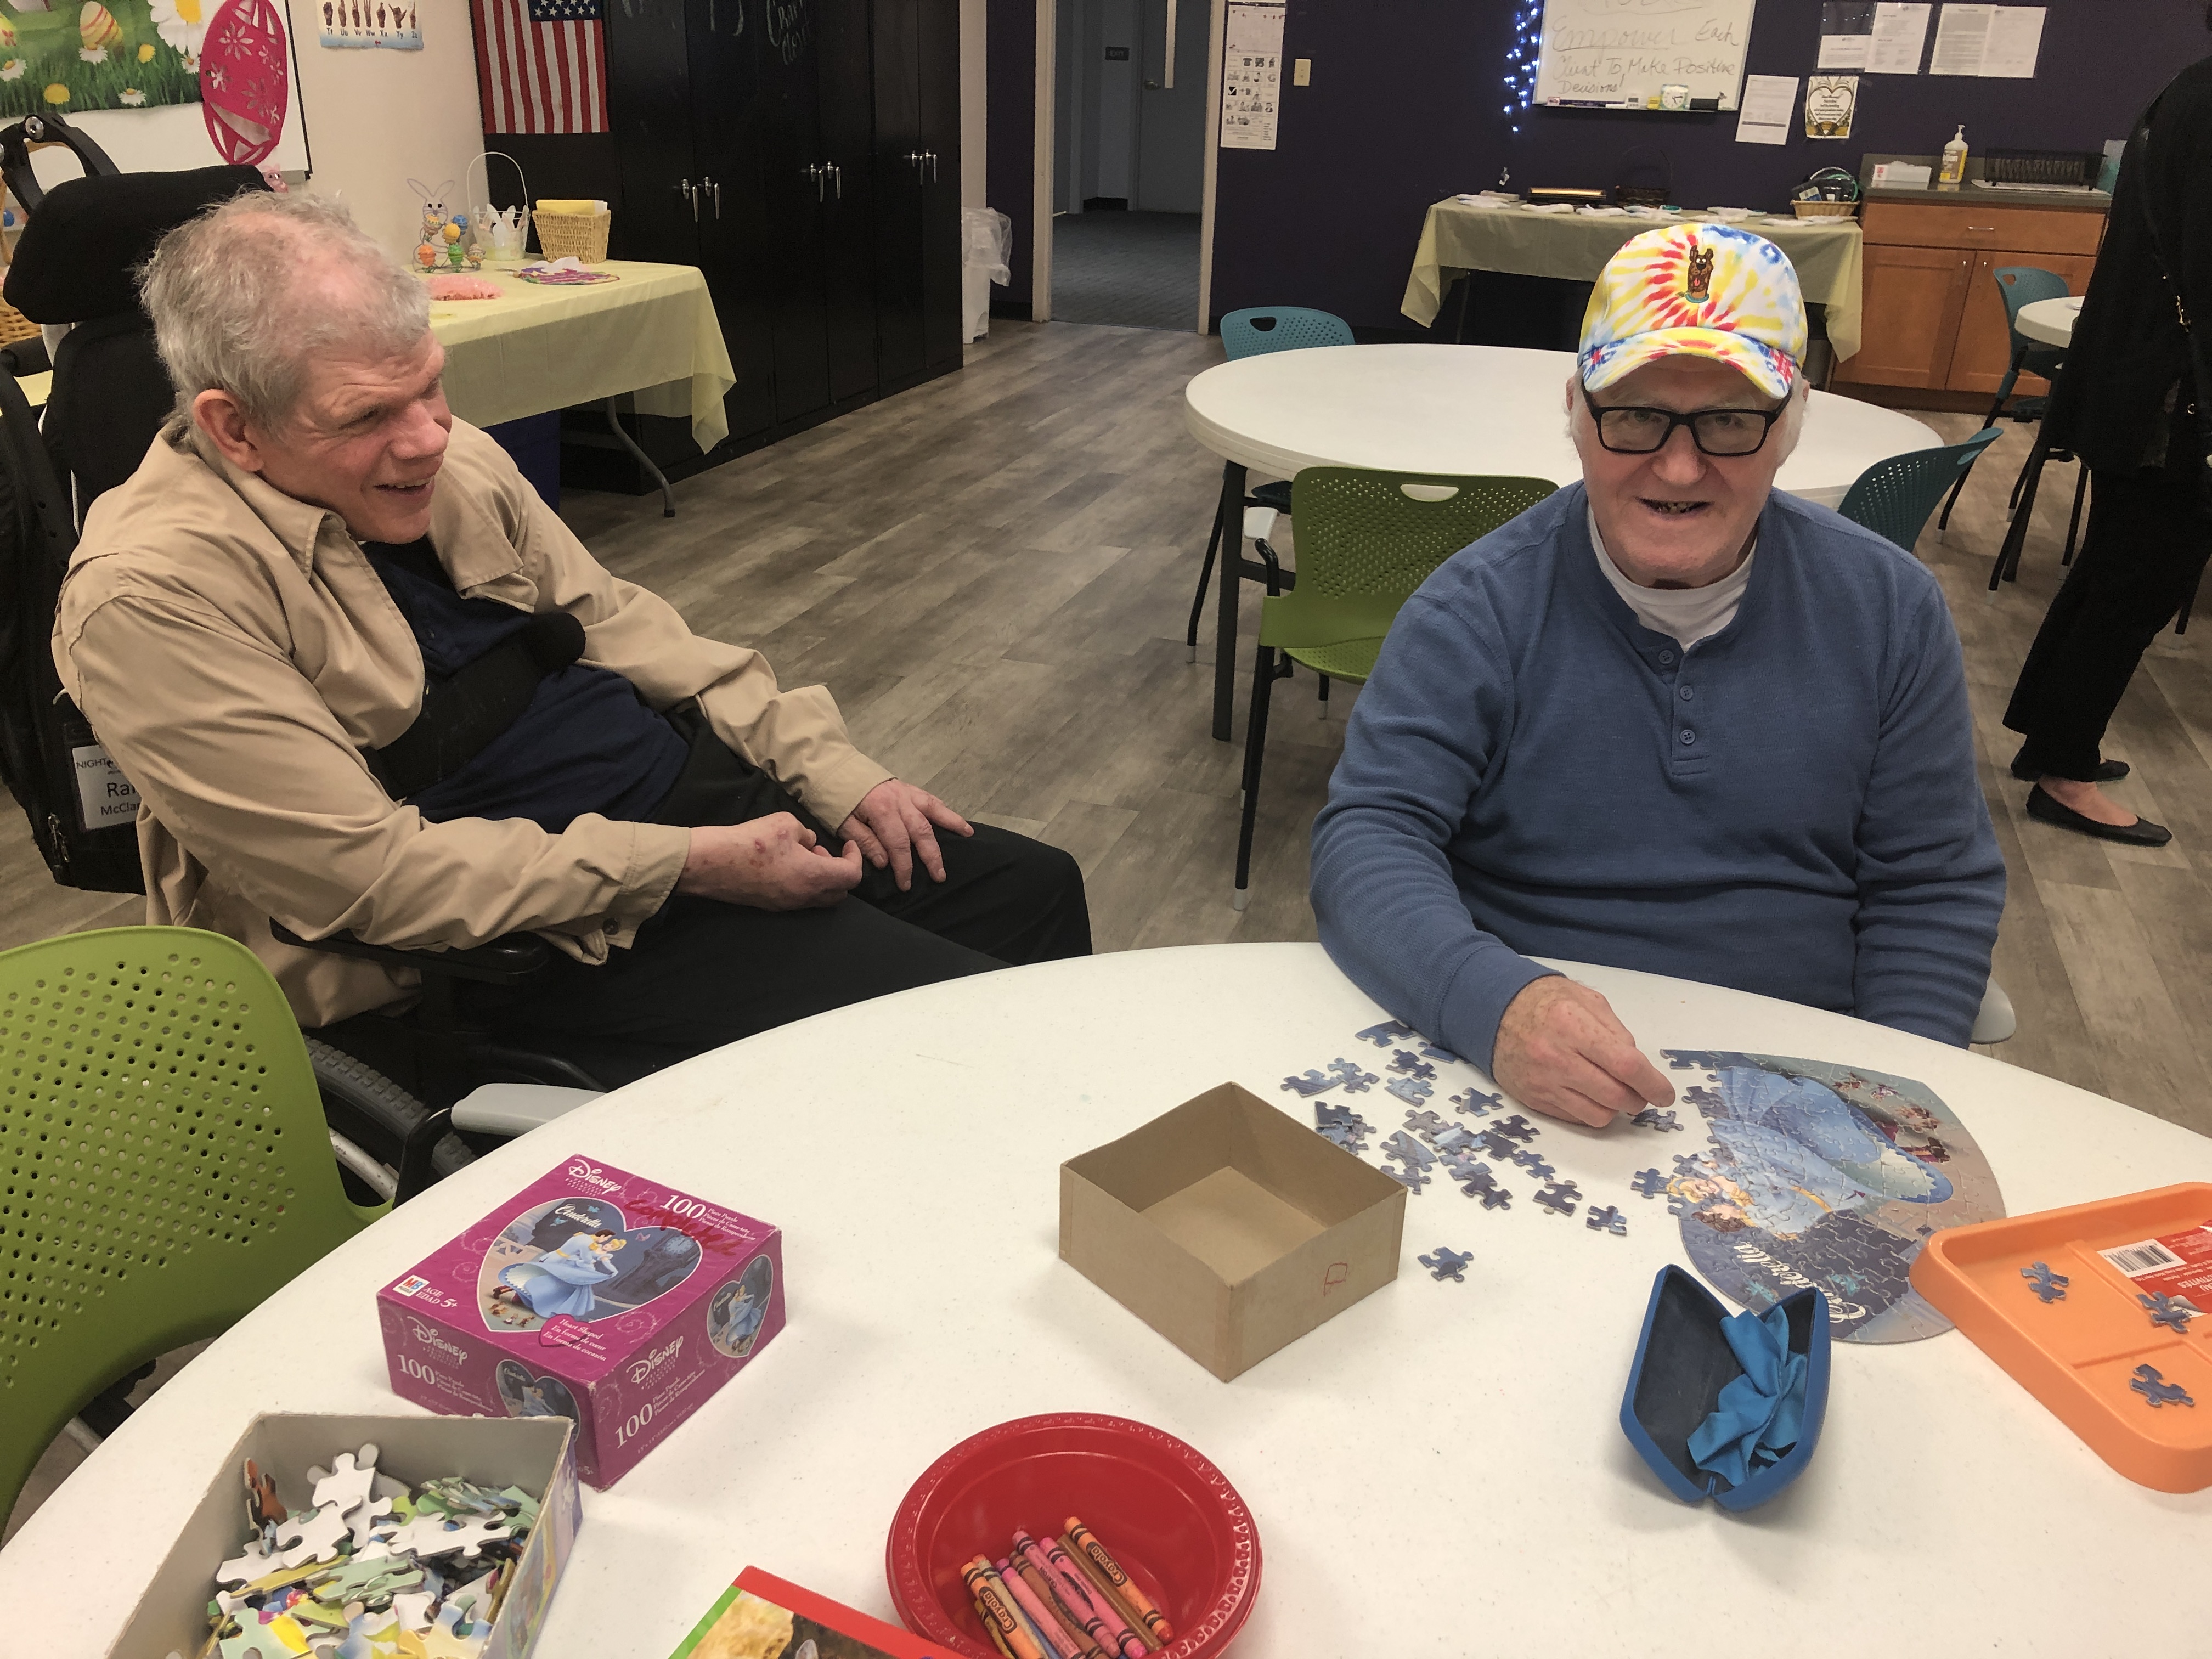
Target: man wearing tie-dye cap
point(1670, 719)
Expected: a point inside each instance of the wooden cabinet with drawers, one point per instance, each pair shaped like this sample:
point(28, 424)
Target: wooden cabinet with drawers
point(1935, 319)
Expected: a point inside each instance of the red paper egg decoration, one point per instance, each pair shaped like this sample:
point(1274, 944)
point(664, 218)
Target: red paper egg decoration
point(245, 73)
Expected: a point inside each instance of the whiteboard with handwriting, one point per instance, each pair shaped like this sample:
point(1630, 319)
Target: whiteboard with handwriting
point(1626, 53)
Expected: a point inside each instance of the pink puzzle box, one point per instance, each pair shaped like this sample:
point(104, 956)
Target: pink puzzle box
point(595, 1295)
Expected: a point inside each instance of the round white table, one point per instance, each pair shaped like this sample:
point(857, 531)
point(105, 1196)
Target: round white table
point(1437, 1470)
point(1451, 409)
point(2051, 321)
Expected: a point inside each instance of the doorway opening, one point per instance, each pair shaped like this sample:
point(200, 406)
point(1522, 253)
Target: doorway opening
point(1128, 165)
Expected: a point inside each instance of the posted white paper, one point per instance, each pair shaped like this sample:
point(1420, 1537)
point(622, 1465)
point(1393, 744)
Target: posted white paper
point(1251, 74)
point(1961, 39)
point(2015, 43)
point(1842, 52)
point(1900, 32)
point(1769, 101)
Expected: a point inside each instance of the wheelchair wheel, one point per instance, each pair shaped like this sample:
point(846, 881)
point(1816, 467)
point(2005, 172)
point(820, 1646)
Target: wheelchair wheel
point(370, 1117)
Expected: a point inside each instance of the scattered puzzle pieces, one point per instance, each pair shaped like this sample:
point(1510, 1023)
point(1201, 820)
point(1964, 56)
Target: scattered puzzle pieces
point(1649, 1184)
point(431, 1535)
point(1342, 1125)
point(2152, 1385)
point(1607, 1220)
point(1465, 1166)
point(1652, 1118)
point(1406, 1177)
point(1516, 1126)
point(1388, 1035)
point(2047, 1284)
point(1496, 1144)
point(1447, 1264)
point(311, 1536)
point(1407, 1065)
point(1561, 1198)
point(2174, 1312)
point(1427, 1125)
point(349, 1480)
point(1457, 1137)
point(1492, 1197)
point(1474, 1100)
point(1311, 1083)
point(1355, 1081)
point(1411, 1090)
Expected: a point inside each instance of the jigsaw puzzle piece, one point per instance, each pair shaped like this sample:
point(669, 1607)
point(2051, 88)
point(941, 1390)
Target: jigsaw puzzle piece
point(1607, 1220)
point(1447, 1264)
point(1311, 1083)
point(1493, 1197)
point(2174, 1312)
point(1355, 1081)
point(1533, 1162)
point(1406, 1177)
point(1474, 1100)
point(1407, 1150)
point(1411, 1090)
point(252, 1562)
point(1427, 1125)
point(2151, 1383)
point(2049, 1286)
point(1652, 1118)
point(349, 1482)
point(1561, 1198)
point(1497, 1145)
point(1649, 1184)
point(313, 1535)
point(1410, 1065)
point(1388, 1034)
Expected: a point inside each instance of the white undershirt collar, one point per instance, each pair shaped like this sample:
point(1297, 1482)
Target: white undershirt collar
point(1685, 614)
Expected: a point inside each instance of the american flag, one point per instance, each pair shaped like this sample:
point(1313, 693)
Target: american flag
point(541, 65)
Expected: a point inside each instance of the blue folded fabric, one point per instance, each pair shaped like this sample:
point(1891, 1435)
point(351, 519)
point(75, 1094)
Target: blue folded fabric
point(1762, 1412)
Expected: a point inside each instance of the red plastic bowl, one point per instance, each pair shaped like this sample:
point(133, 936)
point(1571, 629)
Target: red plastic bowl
point(1171, 1518)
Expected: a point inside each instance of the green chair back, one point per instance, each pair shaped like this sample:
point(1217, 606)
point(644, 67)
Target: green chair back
point(164, 1165)
point(1895, 497)
point(1364, 544)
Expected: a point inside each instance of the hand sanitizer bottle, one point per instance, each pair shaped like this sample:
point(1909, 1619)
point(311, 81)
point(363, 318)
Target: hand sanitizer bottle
point(1954, 162)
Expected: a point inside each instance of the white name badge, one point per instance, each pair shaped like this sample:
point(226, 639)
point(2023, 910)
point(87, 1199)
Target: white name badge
point(104, 795)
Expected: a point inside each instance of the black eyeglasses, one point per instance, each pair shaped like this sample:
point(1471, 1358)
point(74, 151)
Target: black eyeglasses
point(1630, 431)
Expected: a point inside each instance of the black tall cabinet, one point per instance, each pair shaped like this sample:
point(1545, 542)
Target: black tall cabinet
point(805, 154)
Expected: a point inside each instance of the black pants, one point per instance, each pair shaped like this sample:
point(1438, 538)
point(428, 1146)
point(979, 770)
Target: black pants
point(702, 973)
point(2147, 543)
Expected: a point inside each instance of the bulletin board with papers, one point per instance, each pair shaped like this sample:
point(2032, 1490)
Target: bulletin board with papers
point(1598, 54)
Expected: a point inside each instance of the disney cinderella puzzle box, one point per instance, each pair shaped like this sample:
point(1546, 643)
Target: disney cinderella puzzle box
point(595, 1295)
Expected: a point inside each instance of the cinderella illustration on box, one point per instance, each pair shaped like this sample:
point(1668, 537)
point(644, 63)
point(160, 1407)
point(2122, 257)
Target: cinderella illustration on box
point(561, 1281)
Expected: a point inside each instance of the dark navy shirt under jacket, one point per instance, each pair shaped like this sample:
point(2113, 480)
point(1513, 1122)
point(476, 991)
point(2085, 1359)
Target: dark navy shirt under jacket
point(585, 743)
point(1789, 807)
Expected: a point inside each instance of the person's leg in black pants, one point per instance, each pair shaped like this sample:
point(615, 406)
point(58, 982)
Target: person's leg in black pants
point(2146, 544)
point(703, 973)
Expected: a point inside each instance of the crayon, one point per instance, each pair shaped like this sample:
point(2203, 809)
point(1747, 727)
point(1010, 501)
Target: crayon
point(1035, 1598)
point(1111, 1629)
point(1087, 1545)
point(996, 1608)
point(1036, 1635)
point(1096, 1575)
point(1071, 1596)
point(991, 1630)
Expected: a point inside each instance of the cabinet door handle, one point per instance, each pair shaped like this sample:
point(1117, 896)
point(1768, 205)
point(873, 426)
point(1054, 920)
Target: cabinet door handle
point(930, 155)
point(1985, 230)
point(837, 179)
point(692, 196)
point(814, 172)
point(718, 200)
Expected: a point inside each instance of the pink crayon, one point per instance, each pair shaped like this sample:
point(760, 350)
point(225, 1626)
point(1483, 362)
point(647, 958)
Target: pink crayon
point(1047, 1624)
point(1118, 1630)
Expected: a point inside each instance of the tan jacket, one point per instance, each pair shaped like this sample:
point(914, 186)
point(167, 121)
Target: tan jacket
point(236, 652)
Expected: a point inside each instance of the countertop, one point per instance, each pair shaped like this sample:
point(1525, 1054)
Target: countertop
point(1972, 194)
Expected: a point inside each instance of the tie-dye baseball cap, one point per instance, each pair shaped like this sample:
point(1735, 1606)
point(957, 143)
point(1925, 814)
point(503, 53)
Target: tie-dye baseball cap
point(1703, 290)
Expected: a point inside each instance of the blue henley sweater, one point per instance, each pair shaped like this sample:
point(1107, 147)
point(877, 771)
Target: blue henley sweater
point(1789, 807)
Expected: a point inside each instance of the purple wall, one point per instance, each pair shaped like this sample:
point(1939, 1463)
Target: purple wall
point(1010, 80)
point(1405, 109)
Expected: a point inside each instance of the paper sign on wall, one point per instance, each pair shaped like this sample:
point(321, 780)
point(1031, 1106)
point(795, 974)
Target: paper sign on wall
point(1900, 35)
point(1251, 75)
point(1999, 42)
point(1769, 100)
point(1831, 101)
point(1846, 33)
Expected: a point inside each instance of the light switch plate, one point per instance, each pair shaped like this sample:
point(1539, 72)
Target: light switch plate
point(1301, 71)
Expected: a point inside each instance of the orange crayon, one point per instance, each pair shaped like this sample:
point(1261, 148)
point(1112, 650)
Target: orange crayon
point(1087, 1545)
point(1104, 1590)
point(994, 1602)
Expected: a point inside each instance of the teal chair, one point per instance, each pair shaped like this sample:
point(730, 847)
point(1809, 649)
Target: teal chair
point(2019, 286)
point(164, 1165)
point(1895, 497)
point(1366, 540)
point(1254, 333)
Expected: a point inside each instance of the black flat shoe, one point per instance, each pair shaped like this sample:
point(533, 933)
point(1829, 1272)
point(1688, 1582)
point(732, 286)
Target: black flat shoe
point(2143, 832)
point(2107, 772)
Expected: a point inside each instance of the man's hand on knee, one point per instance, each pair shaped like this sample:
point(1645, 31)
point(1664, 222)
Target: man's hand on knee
point(896, 823)
point(1561, 1050)
point(772, 863)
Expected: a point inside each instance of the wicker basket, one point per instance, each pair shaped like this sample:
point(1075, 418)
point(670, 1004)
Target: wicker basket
point(582, 235)
point(1825, 209)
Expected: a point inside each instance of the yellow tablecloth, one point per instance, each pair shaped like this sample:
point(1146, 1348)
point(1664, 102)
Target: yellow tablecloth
point(1829, 255)
point(538, 348)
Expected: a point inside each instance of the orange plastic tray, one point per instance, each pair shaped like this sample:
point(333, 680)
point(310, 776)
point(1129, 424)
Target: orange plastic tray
point(2078, 1355)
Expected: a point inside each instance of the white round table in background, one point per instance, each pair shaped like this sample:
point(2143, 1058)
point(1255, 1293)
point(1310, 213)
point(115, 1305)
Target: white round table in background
point(1438, 1471)
point(2051, 321)
point(1455, 409)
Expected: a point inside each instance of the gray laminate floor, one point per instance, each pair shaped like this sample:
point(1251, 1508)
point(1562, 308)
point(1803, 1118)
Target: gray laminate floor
point(991, 572)
point(1139, 270)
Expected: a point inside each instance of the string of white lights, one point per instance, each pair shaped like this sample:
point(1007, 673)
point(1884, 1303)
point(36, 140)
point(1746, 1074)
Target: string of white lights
point(1521, 57)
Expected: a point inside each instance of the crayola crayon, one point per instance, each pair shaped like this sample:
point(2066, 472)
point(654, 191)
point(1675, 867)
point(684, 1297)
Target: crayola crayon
point(1071, 1597)
point(997, 1609)
point(1092, 1570)
point(991, 1630)
point(1115, 1632)
point(1035, 1598)
point(1038, 1637)
point(1087, 1543)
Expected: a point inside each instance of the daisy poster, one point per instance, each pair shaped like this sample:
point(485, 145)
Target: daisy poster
point(68, 56)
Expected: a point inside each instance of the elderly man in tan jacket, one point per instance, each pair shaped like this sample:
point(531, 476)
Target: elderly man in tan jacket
point(325, 630)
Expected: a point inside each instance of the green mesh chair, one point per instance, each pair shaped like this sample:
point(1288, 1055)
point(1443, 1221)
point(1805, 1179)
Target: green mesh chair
point(1895, 497)
point(1365, 541)
point(164, 1164)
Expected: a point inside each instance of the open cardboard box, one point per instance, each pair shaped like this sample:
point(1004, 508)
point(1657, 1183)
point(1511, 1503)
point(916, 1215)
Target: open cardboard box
point(1229, 1228)
point(538, 1454)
